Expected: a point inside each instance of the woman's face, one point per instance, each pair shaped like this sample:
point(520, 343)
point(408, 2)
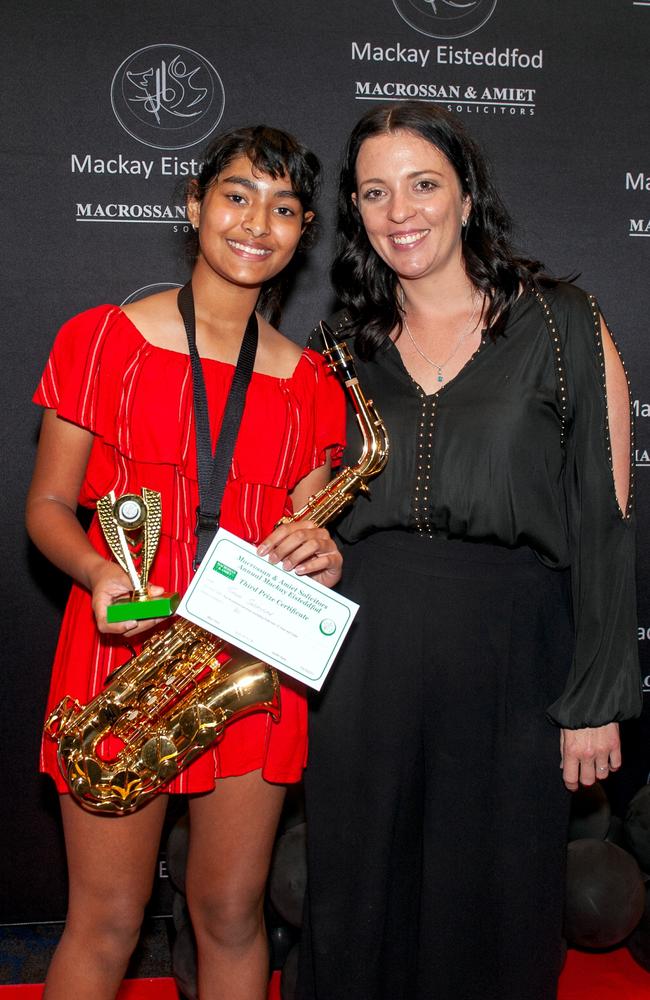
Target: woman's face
point(249, 223)
point(411, 204)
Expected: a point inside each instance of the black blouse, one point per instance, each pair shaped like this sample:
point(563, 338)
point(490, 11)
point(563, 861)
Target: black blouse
point(514, 451)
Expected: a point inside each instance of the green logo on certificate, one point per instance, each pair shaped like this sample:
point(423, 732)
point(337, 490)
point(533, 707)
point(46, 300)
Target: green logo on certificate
point(220, 567)
point(327, 626)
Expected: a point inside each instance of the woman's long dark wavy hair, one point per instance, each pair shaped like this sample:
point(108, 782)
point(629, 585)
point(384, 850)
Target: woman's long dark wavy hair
point(276, 153)
point(367, 286)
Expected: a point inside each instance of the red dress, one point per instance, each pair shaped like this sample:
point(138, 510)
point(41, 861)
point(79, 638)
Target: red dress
point(137, 401)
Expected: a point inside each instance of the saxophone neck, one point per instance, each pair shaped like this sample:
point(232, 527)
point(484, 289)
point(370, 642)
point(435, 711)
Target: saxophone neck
point(375, 438)
point(374, 454)
point(342, 489)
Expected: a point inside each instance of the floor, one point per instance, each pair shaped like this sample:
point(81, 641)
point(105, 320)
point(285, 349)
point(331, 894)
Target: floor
point(25, 951)
point(612, 975)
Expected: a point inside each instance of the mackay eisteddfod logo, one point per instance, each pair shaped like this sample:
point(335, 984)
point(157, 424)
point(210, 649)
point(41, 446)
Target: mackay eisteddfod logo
point(167, 96)
point(445, 18)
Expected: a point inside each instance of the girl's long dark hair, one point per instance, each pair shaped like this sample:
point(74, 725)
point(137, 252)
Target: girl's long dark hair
point(276, 153)
point(367, 286)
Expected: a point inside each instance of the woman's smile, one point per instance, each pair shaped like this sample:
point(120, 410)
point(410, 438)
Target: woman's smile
point(408, 239)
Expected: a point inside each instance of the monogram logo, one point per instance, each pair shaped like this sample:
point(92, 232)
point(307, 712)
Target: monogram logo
point(448, 3)
point(445, 18)
point(167, 96)
point(145, 290)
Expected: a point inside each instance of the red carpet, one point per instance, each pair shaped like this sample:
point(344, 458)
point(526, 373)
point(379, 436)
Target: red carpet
point(132, 989)
point(613, 976)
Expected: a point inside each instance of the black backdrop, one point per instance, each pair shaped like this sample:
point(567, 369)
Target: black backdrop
point(108, 107)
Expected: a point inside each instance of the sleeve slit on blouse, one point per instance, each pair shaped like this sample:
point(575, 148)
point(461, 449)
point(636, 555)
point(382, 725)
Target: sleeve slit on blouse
point(626, 510)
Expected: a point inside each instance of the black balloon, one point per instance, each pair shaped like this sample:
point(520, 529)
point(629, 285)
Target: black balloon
point(616, 832)
point(184, 963)
point(176, 851)
point(637, 827)
point(281, 940)
point(180, 912)
point(590, 813)
point(293, 811)
point(605, 894)
point(289, 980)
point(289, 874)
point(638, 942)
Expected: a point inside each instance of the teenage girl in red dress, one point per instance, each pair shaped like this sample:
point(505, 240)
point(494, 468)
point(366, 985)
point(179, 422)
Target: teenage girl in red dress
point(117, 392)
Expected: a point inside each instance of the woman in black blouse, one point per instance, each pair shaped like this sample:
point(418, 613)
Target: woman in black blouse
point(494, 566)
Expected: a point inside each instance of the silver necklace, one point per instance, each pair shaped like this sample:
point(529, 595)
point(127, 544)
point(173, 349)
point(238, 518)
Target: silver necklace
point(471, 326)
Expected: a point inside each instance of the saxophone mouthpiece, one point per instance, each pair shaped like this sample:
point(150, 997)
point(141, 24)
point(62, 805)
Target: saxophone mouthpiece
point(337, 354)
point(327, 336)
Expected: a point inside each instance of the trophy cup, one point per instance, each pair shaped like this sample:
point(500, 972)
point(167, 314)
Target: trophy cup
point(131, 526)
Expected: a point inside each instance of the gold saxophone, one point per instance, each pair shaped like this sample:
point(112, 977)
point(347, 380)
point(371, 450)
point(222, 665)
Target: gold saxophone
point(171, 701)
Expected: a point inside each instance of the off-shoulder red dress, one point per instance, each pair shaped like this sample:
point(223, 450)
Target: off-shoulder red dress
point(136, 399)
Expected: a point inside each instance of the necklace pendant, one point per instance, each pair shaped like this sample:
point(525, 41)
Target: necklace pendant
point(470, 328)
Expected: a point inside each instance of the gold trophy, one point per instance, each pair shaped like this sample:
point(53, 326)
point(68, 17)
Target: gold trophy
point(131, 526)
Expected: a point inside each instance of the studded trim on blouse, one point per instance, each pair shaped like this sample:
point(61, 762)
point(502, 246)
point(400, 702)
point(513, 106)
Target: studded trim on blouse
point(608, 443)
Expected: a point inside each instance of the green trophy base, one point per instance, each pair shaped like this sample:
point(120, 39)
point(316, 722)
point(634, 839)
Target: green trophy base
point(126, 609)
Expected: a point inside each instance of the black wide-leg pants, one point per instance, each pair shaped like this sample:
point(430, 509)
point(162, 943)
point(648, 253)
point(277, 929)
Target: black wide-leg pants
point(436, 812)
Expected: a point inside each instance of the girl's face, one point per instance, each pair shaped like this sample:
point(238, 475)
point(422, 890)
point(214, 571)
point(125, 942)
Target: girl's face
point(411, 204)
point(249, 224)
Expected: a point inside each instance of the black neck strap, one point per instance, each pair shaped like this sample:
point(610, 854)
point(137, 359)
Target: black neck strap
point(212, 468)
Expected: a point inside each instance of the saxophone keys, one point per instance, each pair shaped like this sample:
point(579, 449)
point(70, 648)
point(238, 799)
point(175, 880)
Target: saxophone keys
point(200, 725)
point(58, 721)
point(84, 774)
point(159, 756)
point(121, 794)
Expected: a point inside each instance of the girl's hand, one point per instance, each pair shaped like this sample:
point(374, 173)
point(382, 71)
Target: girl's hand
point(588, 755)
point(305, 548)
point(300, 545)
point(108, 581)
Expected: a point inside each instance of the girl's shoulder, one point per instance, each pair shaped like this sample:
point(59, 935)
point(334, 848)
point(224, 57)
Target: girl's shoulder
point(157, 319)
point(277, 355)
point(86, 329)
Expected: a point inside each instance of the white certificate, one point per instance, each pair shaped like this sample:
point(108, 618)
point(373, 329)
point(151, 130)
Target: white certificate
point(289, 621)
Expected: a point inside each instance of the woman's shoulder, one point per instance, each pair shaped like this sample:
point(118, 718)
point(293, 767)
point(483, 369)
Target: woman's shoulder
point(566, 299)
point(573, 316)
point(339, 324)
